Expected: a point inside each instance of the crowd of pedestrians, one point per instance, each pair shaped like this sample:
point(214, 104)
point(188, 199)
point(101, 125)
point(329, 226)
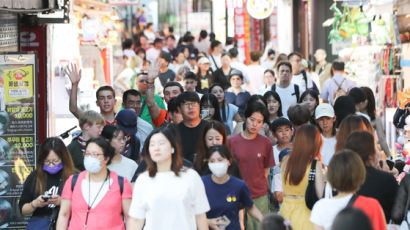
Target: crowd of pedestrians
point(203, 141)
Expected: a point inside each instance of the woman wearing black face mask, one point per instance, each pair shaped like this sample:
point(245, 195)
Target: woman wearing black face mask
point(42, 189)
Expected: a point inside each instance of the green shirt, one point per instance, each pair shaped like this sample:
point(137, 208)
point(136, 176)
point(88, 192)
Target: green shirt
point(145, 112)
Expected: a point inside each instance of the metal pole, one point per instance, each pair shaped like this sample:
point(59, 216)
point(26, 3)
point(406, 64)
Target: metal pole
point(226, 20)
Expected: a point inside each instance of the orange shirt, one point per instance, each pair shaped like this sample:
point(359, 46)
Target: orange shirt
point(161, 119)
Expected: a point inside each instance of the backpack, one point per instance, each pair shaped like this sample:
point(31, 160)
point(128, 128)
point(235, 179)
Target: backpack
point(120, 181)
point(296, 93)
point(314, 86)
point(339, 92)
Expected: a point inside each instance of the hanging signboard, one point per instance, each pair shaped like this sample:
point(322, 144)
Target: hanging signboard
point(17, 133)
point(260, 9)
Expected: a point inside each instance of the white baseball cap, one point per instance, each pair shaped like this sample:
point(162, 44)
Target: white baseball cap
point(203, 60)
point(324, 110)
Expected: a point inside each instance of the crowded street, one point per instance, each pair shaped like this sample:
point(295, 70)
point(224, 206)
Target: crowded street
point(205, 114)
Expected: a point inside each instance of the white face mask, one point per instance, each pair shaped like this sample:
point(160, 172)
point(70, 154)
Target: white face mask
point(92, 164)
point(219, 169)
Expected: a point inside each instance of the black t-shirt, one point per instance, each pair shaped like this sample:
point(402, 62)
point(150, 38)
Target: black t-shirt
point(166, 77)
point(222, 79)
point(189, 139)
point(381, 186)
point(54, 187)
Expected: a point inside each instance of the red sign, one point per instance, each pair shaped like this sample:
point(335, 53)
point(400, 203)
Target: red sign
point(34, 39)
point(241, 20)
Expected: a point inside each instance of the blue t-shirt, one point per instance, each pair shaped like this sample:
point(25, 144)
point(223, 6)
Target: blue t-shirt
point(230, 111)
point(227, 199)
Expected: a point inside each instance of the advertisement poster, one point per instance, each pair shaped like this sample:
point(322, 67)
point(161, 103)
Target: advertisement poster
point(17, 133)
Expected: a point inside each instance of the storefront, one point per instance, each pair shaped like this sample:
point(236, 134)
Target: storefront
point(91, 41)
point(372, 38)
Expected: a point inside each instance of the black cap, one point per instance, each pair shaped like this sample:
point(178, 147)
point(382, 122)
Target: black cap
point(192, 56)
point(127, 121)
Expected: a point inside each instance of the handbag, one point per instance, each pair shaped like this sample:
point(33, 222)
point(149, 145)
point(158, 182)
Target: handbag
point(43, 223)
point(310, 195)
point(38, 223)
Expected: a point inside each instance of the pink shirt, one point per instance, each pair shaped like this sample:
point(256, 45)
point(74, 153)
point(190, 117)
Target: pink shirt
point(108, 212)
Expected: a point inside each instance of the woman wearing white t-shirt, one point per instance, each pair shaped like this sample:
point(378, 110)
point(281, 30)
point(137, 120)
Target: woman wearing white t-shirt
point(325, 118)
point(167, 196)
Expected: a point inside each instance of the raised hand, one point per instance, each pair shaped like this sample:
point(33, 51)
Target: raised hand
point(73, 74)
point(153, 71)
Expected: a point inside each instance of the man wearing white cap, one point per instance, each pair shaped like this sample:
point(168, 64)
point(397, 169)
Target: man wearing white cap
point(325, 117)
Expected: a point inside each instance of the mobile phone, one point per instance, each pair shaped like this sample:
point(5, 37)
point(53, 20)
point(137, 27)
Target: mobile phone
point(225, 221)
point(46, 197)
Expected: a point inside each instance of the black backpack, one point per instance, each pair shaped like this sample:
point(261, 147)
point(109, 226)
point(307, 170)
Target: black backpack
point(297, 93)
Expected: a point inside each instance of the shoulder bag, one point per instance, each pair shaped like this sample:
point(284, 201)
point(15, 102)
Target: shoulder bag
point(310, 195)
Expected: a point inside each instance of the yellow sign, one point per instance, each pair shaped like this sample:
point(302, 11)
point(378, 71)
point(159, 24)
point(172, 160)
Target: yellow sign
point(18, 83)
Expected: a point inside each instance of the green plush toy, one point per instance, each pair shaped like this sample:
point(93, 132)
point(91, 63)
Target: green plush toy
point(334, 34)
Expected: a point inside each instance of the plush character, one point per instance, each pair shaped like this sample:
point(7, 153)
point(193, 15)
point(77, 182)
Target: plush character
point(334, 34)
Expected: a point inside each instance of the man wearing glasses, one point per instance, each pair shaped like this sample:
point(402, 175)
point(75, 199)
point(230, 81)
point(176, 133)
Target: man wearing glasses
point(191, 125)
point(132, 99)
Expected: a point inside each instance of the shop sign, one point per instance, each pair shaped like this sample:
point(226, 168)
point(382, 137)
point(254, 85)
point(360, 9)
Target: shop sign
point(8, 31)
point(17, 133)
point(241, 20)
point(34, 39)
point(260, 9)
point(273, 27)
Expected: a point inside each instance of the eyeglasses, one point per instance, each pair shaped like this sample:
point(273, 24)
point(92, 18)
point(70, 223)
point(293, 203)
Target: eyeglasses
point(95, 155)
point(53, 162)
point(191, 104)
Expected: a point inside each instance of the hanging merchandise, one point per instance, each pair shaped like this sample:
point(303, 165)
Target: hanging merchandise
point(381, 32)
point(390, 61)
point(347, 28)
point(361, 22)
point(334, 34)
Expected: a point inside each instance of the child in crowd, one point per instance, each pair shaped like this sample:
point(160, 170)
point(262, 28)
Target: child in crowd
point(282, 130)
point(91, 124)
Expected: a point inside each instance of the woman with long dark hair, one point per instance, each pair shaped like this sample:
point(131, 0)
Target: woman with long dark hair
point(375, 120)
point(273, 104)
point(41, 196)
point(210, 107)
point(167, 195)
point(229, 112)
point(295, 176)
point(311, 99)
point(213, 133)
